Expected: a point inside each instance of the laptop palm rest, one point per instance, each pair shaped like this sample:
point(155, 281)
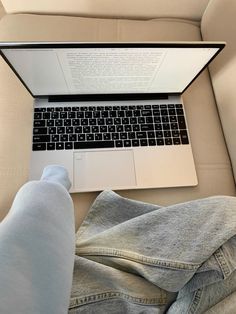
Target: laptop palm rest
point(104, 169)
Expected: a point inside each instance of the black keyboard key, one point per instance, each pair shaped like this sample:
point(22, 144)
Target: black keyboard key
point(86, 129)
point(69, 108)
point(149, 120)
point(41, 138)
point(165, 119)
point(81, 137)
point(167, 134)
point(123, 136)
point(69, 129)
point(55, 138)
point(39, 109)
point(90, 137)
point(115, 136)
point(51, 146)
point(157, 119)
point(152, 142)
point(97, 144)
point(184, 137)
point(111, 128)
point(128, 128)
point(147, 107)
point(109, 121)
point(107, 136)
point(59, 109)
point(146, 113)
point(160, 141)
point(67, 122)
point(179, 106)
point(92, 122)
point(37, 116)
point(39, 123)
point(40, 131)
point(164, 112)
point(64, 138)
point(155, 106)
point(117, 121)
point(147, 127)
point(71, 115)
point(125, 120)
point(61, 130)
point(168, 141)
point(39, 146)
point(174, 126)
point(54, 115)
point(50, 109)
point(113, 114)
point(171, 106)
point(58, 122)
point(131, 135)
point(101, 121)
point(158, 126)
point(68, 145)
point(179, 112)
point(95, 129)
point(136, 127)
point(173, 119)
point(163, 106)
point(119, 143)
point(143, 142)
point(75, 122)
point(176, 141)
point(52, 130)
point(141, 120)
point(159, 134)
point(104, 114)
point(72, 137)
point(128, 113)
point(137, 113)
point(88, 114)
point(127, 143)
point(151, 134)
point(119, 128)
point(166, 126)
point(171, 112)
point(78, 129)
point(156, 112)
point(96, 114)
point(141, 135)
point(84, 121)
point(103, 128)
point(120, 114)
point(63, 115)
point(50, 122)
point(98, 137)
point(80, 114)
point(175, 133)
point(59, 146)
point(135, 143)
point(181, 122)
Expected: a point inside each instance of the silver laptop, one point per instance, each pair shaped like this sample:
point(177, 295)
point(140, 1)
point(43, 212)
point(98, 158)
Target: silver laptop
point(111, 113)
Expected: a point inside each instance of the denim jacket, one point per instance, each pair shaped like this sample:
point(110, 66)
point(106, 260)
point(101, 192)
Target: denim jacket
point(133, 257)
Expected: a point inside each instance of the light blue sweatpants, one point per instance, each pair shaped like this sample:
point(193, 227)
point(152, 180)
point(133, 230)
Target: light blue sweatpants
point(37, 245)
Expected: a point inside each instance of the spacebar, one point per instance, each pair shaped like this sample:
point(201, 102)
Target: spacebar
point(97, 144)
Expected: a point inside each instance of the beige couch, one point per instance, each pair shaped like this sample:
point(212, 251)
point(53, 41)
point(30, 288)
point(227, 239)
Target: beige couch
point(210, 101)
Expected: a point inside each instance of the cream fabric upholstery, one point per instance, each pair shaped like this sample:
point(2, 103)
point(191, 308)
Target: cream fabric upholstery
point(219, 23)
point(210, 153)
point(189, 9)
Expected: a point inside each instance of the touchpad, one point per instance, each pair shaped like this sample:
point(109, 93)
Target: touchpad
point(104, 170)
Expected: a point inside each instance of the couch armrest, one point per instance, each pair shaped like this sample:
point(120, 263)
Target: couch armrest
point(219, 23)
point(188, 9)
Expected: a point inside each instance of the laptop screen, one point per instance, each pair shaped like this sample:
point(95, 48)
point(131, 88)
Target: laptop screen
point(74, 69)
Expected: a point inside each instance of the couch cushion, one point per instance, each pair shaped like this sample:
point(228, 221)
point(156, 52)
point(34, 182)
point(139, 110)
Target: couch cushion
point(189, 9)
point(210, 153)
point(219, 23)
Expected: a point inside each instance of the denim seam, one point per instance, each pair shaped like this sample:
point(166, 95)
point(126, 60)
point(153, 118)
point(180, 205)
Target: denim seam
point(108, 295)
point(137, 258)
point(195, 301)
point(222, 261)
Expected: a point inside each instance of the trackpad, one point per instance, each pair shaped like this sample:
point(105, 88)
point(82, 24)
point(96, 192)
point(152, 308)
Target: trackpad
point(104, 170)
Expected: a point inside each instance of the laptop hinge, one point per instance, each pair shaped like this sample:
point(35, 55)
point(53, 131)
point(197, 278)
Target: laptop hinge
point(102, 97)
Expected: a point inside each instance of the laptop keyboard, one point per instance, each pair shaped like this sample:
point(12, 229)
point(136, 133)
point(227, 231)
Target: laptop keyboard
point(65, 128)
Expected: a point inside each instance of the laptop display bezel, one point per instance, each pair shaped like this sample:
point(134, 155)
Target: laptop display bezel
point(91, 97)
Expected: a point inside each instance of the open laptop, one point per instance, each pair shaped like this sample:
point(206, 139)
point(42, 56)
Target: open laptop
point(111, 113)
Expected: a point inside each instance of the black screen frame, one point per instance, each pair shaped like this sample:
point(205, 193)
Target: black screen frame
point(91, 97)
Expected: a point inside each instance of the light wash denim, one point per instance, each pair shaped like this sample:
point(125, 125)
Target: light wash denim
point(141, 258)
point(130, 257)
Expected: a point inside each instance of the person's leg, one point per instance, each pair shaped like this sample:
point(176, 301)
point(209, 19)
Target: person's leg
point(37, 242)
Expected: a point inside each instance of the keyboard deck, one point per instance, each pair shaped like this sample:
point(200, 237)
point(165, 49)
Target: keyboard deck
point(64, 128)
